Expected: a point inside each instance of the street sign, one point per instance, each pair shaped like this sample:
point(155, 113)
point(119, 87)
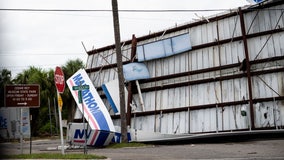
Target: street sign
point(60, 102)
point(80, 88)
point(80, 96)
point(59, 79)
point(60, 85)
point(22, 95)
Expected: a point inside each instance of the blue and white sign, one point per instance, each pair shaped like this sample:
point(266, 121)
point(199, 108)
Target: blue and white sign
point(96, 138)
point(164, 48)
point(111, 90)
point(99, 120)
point(135, 71)
point(95, 110)
point(255, 1)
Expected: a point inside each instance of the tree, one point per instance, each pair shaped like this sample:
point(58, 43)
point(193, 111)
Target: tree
point(35, 75)
point(69, 69)
point(5, 78)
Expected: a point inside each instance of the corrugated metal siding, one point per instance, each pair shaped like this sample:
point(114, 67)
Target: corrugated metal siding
point(218, 118)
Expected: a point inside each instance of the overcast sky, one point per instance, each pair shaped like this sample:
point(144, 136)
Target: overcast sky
point(49, 39)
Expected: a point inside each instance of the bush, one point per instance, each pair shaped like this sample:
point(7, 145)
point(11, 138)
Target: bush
point(45, 130)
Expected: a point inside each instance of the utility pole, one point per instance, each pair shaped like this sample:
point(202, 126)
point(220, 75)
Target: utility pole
point(120, 71)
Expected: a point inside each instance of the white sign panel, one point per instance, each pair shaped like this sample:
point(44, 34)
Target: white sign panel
point(95, 111)
point(111, 90)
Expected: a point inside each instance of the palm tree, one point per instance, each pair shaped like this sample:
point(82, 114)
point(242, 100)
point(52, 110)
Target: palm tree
point(5, 78)
point(40, 116)
point(69, 69)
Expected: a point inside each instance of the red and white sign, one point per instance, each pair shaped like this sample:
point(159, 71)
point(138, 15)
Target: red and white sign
point(59, 79)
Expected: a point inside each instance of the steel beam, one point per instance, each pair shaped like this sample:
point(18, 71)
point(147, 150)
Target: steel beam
point(198, 107)
point(248, 72)
point(210, 44)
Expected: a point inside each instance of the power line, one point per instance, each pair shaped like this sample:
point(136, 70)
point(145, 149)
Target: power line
point(108, 10)
point(40, 54)
point(40, 65)
point(124, 10)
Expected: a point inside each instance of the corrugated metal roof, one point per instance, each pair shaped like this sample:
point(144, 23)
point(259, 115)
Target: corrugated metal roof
point(203, 90)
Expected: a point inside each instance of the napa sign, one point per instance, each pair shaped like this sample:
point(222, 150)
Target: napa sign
point(76, 136)
point(95, 112)
point(96, 138)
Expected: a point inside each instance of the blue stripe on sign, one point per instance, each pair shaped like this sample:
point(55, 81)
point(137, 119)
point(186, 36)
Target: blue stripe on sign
point(109, 98)
point(103, 135)
point(128, 136)
point(117, 137)
point(258, 1)
point(101, 120)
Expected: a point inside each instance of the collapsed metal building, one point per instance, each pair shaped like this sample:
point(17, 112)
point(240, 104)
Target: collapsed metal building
point(229, 78)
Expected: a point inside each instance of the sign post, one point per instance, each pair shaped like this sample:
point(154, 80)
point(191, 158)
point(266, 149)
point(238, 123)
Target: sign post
point(22, 95)
point(80, 88)
point(60, 85)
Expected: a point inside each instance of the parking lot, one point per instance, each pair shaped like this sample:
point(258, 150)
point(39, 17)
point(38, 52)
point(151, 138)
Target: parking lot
point(252, 149)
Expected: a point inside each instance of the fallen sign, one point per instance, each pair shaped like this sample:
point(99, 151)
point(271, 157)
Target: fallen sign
point(22, 95)
point(95, 111)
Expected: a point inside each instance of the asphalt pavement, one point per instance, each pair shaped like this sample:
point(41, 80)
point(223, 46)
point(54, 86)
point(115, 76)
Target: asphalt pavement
point(263, 149)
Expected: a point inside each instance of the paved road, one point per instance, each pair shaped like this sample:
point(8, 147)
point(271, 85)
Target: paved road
point(258, 149)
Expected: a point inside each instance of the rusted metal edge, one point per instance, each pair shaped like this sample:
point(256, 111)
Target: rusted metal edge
point(248, 71)
point(198, 107)
point(110, 66)
point(179, 75)
point(210, 44)
point(208, 80)
point(226, 15)
point(222, 78)
point(246, 133)
point(266, 5)
point(131, 84)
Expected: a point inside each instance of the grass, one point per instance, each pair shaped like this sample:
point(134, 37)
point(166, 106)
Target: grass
point(124, 145)
point(52, 156)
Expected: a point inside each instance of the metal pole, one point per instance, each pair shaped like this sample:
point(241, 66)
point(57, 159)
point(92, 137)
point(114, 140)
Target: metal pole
point(140, 95)
point(119, 71)
point(248, 67)
point(84, 127)
point(61, 130)
point(31, 118)
point(217, 125)
point(49, 116)
point(188, 111)
point(160, 117)
point(55, 115)
point(275, 113)
point(130, 84)
point(21, 128)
